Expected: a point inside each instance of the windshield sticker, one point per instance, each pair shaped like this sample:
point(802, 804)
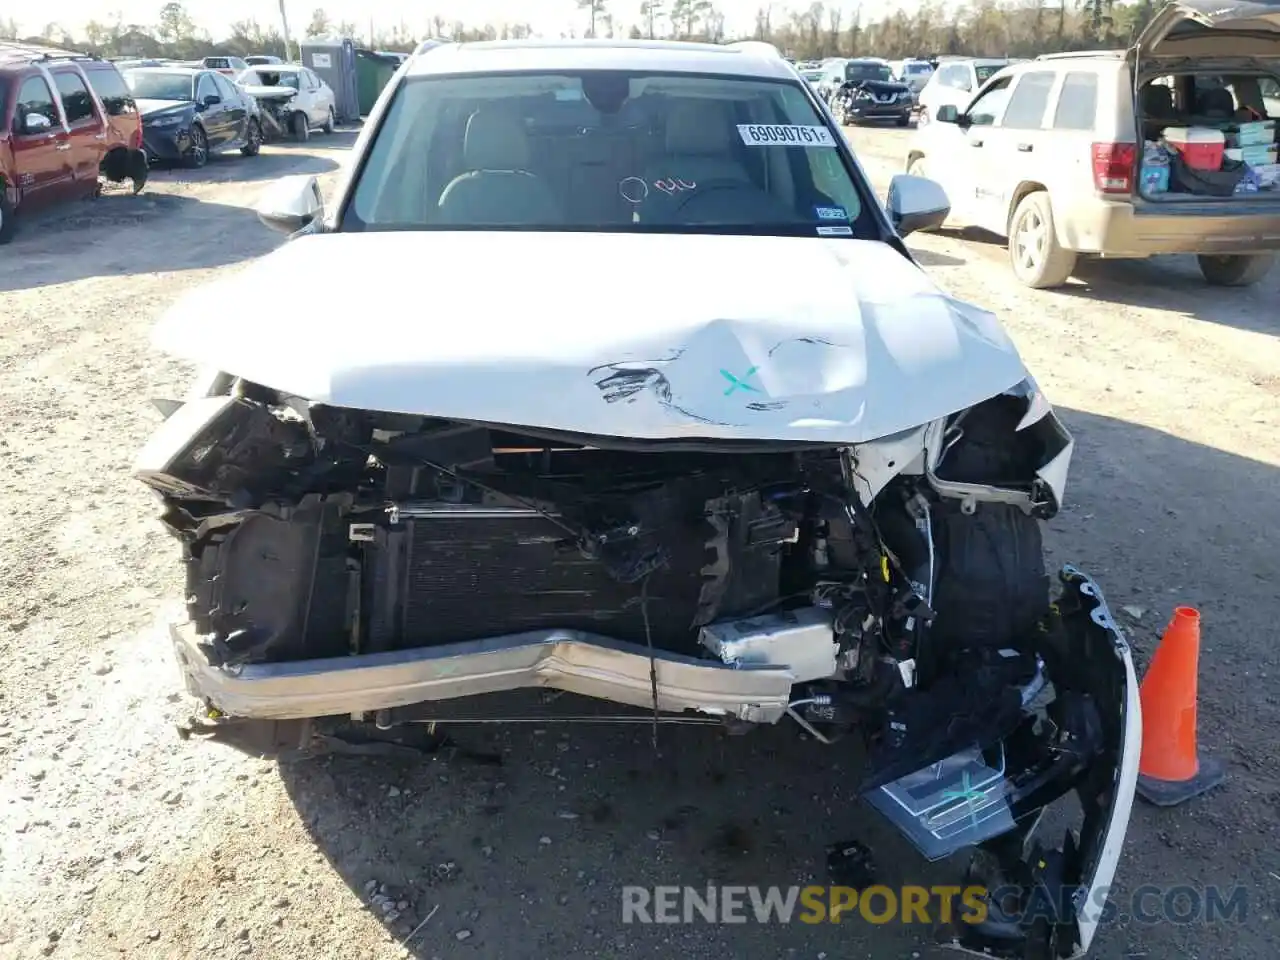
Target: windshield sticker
point(674, 185)
point(830, 213)
point(835, 231)
point(784, 135)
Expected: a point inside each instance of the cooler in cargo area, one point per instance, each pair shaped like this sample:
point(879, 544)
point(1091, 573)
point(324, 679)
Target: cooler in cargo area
point(1201, 148)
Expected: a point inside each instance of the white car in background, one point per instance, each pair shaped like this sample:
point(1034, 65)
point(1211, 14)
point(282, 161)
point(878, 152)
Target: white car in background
point(955, 82)
point(294, 100)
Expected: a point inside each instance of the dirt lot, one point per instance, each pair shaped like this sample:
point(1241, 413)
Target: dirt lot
point(119, 838)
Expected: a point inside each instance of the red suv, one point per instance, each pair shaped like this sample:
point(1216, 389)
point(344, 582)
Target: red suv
point(65, 120)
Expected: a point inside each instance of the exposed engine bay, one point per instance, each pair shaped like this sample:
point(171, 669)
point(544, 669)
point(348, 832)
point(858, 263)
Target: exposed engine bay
point(743, 581)
point(276, 108)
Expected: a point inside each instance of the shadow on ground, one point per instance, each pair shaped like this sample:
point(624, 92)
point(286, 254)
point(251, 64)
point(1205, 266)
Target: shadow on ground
point(120, 234)
point(1171, 283)
point(520, 838)
point(275, 160)
point(1175, 284)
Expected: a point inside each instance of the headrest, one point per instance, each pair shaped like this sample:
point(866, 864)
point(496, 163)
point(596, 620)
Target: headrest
point(697, 129)
point(1216, 100)
point(1157, 100)
point(495, 141)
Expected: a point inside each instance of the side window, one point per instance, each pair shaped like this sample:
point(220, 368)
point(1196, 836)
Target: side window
point(831, 179)
point(225, 89)
point(960, 78)
point(311, 79)
point(205, 88)
point(1077, 103)
point(77, 102)
point(989, 106)
point(1027, 104)
point(112, 91)
point(35, 97)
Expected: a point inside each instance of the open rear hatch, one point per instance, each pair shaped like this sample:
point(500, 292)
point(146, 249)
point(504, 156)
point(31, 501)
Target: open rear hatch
point(1209, 29)
point(1197, 44)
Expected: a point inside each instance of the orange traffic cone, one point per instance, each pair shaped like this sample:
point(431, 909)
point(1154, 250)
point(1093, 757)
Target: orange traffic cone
point(1171, 769)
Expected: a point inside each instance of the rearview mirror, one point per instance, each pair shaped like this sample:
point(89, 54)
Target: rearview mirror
point(916, 203)
point(948, 113)
point(212, 100)
point(36, 123)
point(291, 203)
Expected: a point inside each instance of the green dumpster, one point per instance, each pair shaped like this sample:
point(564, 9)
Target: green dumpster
point(373, 72)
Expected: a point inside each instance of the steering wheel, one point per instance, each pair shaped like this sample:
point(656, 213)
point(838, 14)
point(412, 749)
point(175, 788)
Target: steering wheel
point(719, 185)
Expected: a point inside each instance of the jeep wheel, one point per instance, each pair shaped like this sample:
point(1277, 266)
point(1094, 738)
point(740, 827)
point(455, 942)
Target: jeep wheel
point(1038, 260)
point(1241, 270)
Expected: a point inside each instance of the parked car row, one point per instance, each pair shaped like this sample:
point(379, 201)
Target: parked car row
point(68, 119)
point(1122, 154)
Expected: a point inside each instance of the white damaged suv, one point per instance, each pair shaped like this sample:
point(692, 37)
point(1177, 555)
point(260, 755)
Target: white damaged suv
point(682, 429)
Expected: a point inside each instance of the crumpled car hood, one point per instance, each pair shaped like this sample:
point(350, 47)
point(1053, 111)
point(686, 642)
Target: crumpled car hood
point(270, 93)
point(641, 336)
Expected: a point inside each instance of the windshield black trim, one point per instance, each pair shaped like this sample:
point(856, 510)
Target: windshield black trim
point(866, 194)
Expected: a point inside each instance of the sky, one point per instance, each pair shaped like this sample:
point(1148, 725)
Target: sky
point(546, 16)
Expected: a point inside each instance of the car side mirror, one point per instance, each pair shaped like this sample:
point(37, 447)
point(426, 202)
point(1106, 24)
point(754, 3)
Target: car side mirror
point(212, 100)
point(36, 123)
point(948, 113)
point(291, 203)
point(916, 203)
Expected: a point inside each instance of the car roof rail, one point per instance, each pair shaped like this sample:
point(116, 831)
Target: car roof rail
point(762, 47)
point(1079, 54)
point(38, 53)
point(426, 45)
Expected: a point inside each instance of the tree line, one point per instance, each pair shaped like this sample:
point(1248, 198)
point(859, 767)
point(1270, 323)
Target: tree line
point(1016, 28)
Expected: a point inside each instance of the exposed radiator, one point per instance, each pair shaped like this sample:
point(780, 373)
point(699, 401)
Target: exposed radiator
point(449, 574)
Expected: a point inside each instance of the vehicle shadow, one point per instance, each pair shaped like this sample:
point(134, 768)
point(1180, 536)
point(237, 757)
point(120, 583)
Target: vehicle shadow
point(275, 161)
point(121, 234)
point(519, 839)
point(931, 258)
point(1170, 283)
point(1174, 283)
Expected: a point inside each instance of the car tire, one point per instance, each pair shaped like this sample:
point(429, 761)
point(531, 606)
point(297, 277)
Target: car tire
point(904, 120)
point(300, 127)
point(197, 154)
point(330, 122)
point(252, 139)
point(1239, 270)
point(7, 223)
point(1038, 260)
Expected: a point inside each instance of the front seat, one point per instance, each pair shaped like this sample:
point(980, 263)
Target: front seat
point(1216, 102)
point(699, 146)
point(1157, 110)
point(497, 189)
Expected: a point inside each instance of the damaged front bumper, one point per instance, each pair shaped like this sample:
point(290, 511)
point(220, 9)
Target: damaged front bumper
point(1043, 902)
point(572, 661)
point(988, 797)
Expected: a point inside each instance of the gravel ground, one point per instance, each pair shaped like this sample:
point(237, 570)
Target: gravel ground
point(117, 837)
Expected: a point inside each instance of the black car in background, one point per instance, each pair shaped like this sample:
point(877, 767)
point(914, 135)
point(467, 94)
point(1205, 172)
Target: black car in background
point(189, 113)
point(869, 92)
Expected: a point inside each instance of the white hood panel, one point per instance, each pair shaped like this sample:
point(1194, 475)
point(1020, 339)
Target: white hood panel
point(626, 335)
